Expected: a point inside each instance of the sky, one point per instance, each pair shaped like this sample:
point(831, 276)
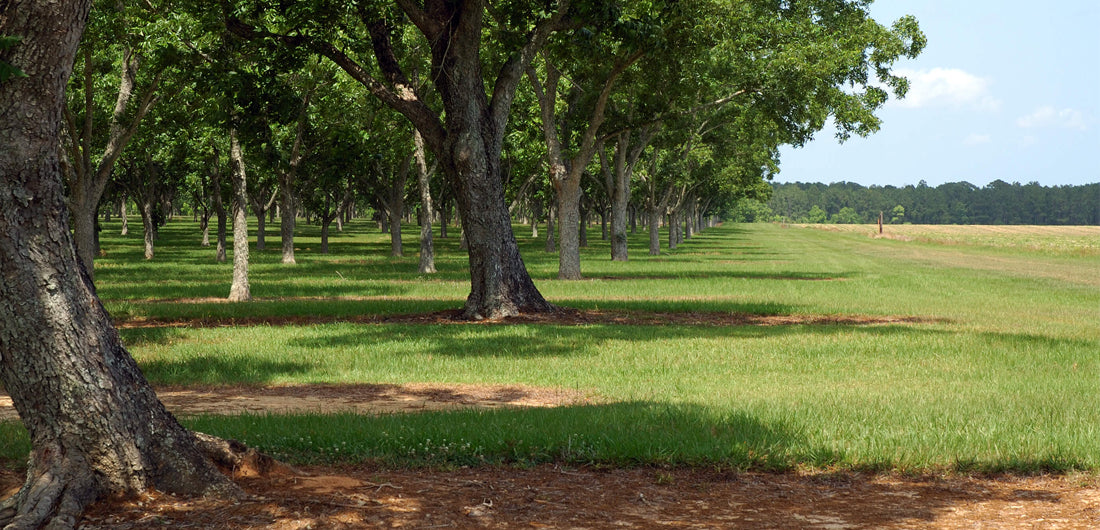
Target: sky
point(1005, 90)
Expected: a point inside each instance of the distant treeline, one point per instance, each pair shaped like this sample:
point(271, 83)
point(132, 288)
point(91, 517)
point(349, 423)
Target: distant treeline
point(954, 203)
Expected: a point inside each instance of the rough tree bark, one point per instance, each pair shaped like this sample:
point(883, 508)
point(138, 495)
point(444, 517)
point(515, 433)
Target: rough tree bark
point(239, 290)
point(95, 424)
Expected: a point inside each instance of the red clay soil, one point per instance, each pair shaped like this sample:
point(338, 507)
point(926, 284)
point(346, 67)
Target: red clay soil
point(556, 497)
point(562, 316)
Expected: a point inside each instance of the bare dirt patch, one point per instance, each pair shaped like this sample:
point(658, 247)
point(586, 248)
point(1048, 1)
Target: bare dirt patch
point(556, 497)
point(361, 399)
point(562, 316)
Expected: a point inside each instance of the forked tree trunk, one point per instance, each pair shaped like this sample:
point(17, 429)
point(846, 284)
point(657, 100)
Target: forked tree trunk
point(239, 290)
point(95, 424)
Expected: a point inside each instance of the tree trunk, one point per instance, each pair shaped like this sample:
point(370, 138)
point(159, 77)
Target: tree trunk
point(427, 247)
point(219, 205)
point(396, 205)
point(96, 426)
point(569, 205)
point(288, 212)
point(239, 290)
point(551, 220)
point(444, 217)
point(122, 213)
point(325, 223)
point(654, 223)
point(261, 229)
point(148, 224)
point(620, 197)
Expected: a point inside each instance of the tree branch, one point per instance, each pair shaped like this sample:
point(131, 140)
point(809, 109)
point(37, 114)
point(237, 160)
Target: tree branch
point(504, 90)
point(405, 102)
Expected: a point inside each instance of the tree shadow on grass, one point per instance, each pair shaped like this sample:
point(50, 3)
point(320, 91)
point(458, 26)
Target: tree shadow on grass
point(214, 369)
point(629, 433)
point(520, 341)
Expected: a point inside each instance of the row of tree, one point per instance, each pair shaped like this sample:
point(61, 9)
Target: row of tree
point(997, 203)
point(678, 105)
point(622, 110)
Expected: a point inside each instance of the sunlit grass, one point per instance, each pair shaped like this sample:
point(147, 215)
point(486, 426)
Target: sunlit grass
point(1002, 373)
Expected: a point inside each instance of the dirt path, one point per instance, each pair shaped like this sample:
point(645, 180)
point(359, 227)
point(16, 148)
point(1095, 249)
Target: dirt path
point(556, 497)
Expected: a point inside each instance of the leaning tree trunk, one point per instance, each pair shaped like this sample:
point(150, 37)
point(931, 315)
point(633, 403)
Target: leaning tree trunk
point(239, 291)
point(95, 424)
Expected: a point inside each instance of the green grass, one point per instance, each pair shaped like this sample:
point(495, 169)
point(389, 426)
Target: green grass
point(1002, 375)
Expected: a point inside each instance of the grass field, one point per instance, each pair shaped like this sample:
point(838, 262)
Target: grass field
point(1072, 240)
point(955, 351)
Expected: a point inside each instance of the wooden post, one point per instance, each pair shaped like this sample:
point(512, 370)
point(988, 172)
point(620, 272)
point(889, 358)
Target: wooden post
point(880, 223)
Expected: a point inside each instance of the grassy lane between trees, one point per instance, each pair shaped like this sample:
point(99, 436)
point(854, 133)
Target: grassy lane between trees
point(907, 354)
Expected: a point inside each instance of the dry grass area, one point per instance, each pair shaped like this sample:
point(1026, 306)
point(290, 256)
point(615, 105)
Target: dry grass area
point(1071, 240)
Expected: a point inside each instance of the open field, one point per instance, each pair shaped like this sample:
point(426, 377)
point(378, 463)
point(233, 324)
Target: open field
point(1072, 240)
point(783, 349)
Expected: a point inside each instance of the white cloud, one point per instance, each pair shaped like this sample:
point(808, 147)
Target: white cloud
point(1048, 116)
point(947, 87)
point(977, 139)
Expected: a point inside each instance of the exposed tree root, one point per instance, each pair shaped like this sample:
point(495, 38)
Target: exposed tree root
point(238, 460)
point(54, 497)
point(51, 498)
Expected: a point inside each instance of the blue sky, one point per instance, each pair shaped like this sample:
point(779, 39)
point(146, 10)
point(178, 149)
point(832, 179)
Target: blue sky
point(1004, 90)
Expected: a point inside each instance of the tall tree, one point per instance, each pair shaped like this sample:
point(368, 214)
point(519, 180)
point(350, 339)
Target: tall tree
point(467, 137)
point(566, 171)
point(239, 290)
point(96, 426)
point(423, 183)
point(118, 42)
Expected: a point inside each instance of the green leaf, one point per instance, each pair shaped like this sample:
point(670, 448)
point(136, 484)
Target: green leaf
point(7, 71)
